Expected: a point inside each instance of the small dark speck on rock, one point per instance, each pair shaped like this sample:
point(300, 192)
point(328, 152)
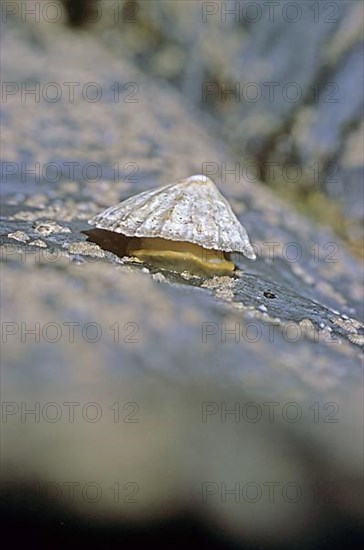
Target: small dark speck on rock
point(269, 294)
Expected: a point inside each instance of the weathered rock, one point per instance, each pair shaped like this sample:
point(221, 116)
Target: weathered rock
point(146, 360)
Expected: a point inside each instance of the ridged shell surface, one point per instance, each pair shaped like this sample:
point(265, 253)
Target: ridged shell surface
point(191, 210)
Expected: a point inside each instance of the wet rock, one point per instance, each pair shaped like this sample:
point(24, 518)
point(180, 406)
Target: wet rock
point(180, 388)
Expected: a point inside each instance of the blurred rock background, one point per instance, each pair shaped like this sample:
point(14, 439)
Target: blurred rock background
point(283, 81)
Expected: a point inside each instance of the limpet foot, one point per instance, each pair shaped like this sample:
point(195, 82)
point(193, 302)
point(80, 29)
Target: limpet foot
point(181, 256)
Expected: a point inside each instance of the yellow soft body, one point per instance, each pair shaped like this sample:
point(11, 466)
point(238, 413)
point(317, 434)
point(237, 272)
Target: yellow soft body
point(180, 256)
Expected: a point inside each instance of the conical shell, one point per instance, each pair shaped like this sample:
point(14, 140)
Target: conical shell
point(191, 210)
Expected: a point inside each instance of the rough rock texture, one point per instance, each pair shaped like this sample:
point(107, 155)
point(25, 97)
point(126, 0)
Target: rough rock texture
point(131, 372)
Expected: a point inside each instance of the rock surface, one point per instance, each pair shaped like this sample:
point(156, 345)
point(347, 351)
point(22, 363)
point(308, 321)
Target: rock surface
point(153, 362)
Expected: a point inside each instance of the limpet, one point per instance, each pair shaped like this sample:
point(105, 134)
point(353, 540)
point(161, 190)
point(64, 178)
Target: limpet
point(187, 225)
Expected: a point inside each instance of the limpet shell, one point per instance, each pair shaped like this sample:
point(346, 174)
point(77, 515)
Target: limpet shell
point(191, 213)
